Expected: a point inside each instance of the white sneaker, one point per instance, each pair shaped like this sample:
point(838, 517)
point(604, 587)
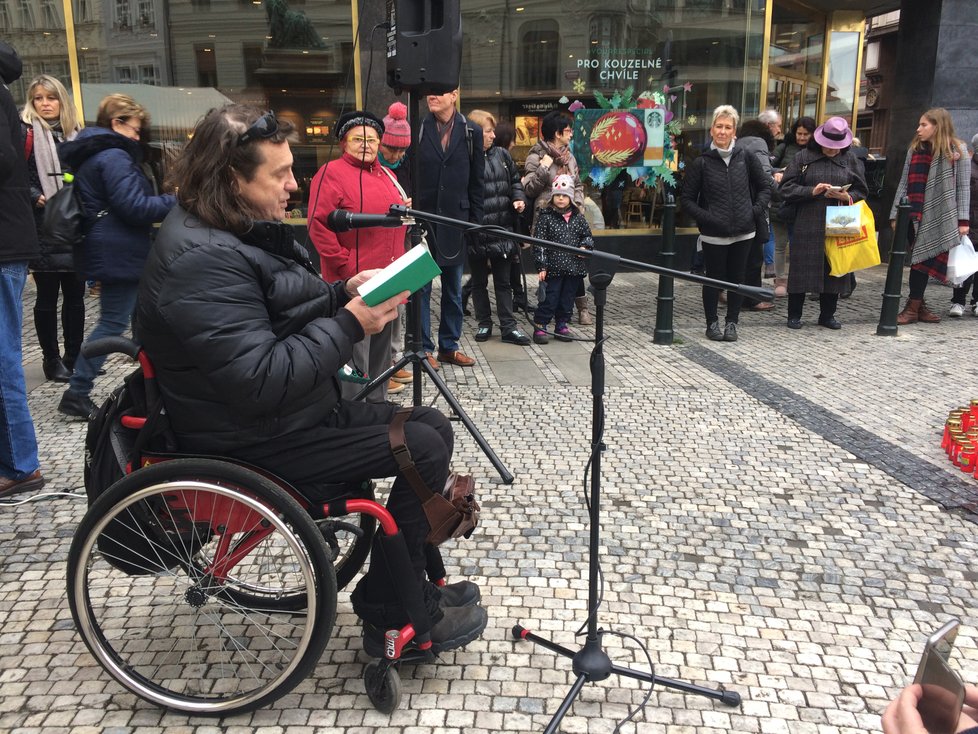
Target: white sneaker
point(956, 310)
point(974, 309)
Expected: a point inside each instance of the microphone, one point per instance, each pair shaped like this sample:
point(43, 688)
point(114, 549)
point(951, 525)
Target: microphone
point(340, 220)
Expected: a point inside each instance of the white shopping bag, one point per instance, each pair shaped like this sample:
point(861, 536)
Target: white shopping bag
point(962, 262)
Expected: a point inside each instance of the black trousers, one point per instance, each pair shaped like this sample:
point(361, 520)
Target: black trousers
point(724, 262)
point(752, 270)
point(501, 269)
point(353, 445)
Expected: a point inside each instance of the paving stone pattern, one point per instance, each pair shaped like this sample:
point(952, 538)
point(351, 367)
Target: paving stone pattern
point(778, 519)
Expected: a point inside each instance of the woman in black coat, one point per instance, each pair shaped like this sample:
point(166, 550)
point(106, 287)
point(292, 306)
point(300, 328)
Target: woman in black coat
point(727, 192)
point(502, 198)
point(808, 185)
point(49, 119)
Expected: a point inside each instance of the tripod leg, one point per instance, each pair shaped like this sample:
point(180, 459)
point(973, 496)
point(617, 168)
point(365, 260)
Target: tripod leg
point(473, 430)
point(565, 704)
point(729, 698)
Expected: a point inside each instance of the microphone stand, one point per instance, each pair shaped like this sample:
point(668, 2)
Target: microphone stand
point(414, 353)
point(591, 663)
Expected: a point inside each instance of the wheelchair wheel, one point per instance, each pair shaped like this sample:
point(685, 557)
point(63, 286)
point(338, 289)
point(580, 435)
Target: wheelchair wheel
point(151, 571)
point(383, 686)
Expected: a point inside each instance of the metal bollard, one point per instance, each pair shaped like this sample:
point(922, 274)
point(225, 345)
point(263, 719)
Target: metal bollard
point(894, 272)
point(666, 299)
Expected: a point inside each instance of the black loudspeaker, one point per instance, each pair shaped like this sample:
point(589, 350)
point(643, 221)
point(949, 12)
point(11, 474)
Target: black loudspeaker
point(424, 45)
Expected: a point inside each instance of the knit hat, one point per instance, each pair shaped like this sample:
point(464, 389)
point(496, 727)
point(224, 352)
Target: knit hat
point(563, 184)
point(397, 130)
point(357, 118)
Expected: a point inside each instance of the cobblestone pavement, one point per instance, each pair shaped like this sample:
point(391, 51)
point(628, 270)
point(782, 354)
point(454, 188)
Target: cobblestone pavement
point(778, 519)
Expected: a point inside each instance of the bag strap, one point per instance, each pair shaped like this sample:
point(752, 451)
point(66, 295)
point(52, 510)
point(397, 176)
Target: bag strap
point(402, 456)
point(397, 184)
point(29, 143)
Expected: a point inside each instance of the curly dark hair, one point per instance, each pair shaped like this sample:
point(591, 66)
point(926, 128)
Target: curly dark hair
point(806, 122)
point(204, 172)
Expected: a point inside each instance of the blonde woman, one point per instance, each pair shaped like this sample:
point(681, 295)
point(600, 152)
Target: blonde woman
point(49, 120)
point(120, 209)
point(726, 191)
point(936, 181)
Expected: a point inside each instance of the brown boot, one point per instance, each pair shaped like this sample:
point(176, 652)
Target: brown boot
point(925, 315)
point(583, 315)
point(909, 314)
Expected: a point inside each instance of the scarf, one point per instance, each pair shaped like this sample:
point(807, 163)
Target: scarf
point(561, 156)
point(46, 159)
point(725, 153)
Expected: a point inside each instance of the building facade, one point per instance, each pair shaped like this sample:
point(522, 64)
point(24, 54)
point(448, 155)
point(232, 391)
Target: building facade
point(310, 60)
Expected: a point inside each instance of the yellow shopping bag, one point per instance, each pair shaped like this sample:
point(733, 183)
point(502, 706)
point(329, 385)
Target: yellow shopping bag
point(856, 252)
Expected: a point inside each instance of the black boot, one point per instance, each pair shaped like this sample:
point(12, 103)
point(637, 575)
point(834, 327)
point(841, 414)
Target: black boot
point(46, 325)
point(452, 627)
point(73, 329)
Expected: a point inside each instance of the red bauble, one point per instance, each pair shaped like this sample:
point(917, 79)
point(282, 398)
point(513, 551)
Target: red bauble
point(617, 139)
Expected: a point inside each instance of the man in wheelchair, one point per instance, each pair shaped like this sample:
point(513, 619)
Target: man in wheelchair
point(247, 342)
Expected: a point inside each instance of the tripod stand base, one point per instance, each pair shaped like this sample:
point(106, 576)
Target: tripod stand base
point(592, 664)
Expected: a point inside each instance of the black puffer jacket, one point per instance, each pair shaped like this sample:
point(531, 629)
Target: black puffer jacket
point(502, 188)
point(18, 237)
point(575, 232)
point(718, 196)
point(246, 340)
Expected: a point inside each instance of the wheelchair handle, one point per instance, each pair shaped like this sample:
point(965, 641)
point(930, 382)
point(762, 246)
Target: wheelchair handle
point(110, 345)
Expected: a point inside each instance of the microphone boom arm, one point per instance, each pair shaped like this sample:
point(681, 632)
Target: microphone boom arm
point(749, 291)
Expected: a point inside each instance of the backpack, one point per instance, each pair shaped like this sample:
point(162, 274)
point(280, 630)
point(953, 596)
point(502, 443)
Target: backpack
point(63, 222)
point(137, 545)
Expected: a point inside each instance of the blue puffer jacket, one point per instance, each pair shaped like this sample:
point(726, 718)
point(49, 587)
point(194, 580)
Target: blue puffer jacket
point(119, 203)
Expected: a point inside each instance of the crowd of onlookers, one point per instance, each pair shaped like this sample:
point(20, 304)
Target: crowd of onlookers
point(761, 208)
point(759, 200)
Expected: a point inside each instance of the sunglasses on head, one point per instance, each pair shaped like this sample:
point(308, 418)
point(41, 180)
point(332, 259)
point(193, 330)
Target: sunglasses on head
point(262, 128)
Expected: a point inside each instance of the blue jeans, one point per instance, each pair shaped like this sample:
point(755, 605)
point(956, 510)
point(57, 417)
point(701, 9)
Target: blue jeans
point(450, 325)
point(117, 301)
point(769, 248)
point(18, 444)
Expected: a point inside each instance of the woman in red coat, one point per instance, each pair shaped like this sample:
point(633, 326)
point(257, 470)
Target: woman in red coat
point(357, 182)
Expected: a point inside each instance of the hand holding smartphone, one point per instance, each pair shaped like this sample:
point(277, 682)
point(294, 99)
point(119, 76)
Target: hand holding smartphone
point(940, 706)
point(839, 188)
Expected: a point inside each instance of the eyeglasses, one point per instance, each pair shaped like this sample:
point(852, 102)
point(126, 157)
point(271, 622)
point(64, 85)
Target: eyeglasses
point(262, 128)
point(368, 141)
point(135, 130)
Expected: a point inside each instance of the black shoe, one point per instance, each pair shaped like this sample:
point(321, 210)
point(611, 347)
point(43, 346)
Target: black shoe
point(830, 323)
point(459, 594)
point(77, 405)
point(516, 337)
point(730, 332)
point(794, 323)
point(714, 332)
point(457, 628)
point(55, 370)
point(483, 333)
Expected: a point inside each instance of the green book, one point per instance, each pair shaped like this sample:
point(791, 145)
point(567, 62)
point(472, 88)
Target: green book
point(410, 272)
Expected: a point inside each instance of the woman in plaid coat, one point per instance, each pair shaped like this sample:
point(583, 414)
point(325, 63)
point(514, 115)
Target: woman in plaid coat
point(935, 180)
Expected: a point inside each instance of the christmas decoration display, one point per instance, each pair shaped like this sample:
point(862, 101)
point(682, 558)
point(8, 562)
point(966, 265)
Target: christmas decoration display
point(628, 132)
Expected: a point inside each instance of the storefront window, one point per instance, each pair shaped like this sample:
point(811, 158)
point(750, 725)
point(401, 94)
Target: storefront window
point(274, 56)
point(840, 93)
point(683, 58)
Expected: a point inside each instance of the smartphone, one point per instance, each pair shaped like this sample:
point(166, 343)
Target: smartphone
point(840, 188)
point(940, 707)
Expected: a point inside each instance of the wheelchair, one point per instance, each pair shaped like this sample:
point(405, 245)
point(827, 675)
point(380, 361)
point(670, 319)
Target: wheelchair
point(207, 586)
